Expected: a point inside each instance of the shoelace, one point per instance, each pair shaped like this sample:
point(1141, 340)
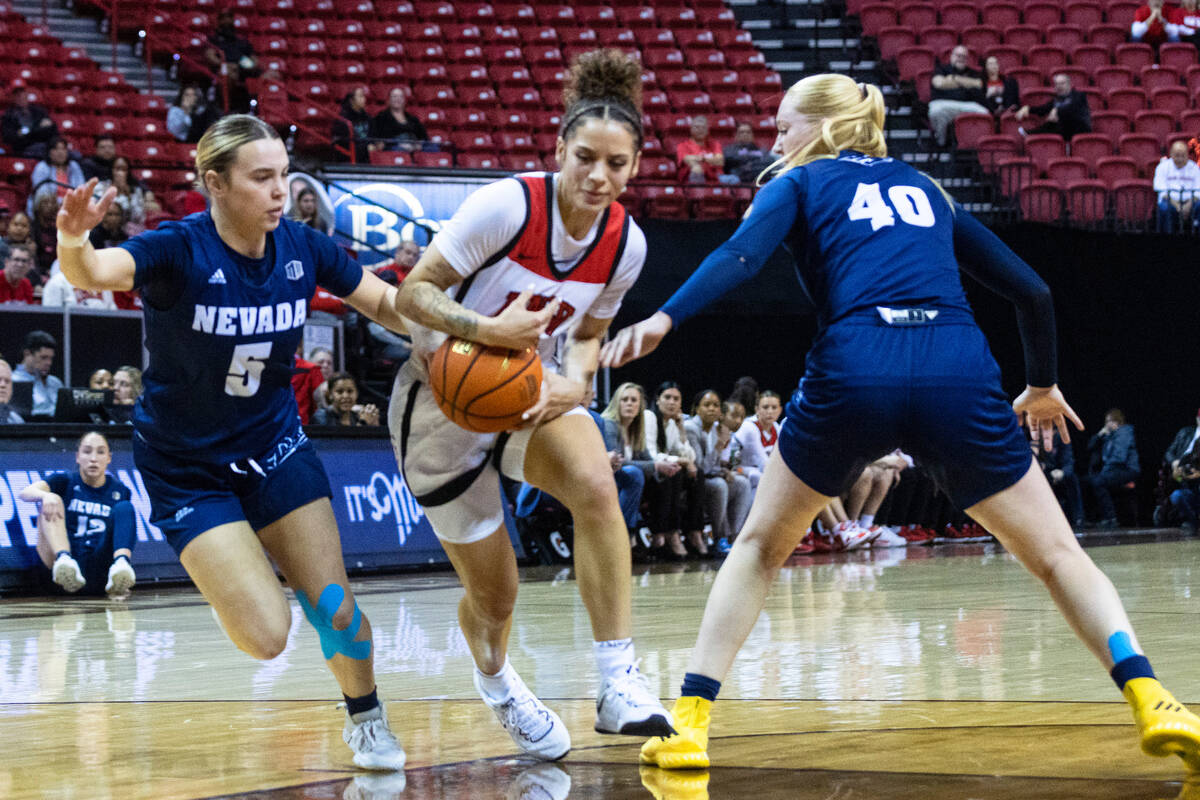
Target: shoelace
point(634, 685)
point(370, 734)
point(523, 715)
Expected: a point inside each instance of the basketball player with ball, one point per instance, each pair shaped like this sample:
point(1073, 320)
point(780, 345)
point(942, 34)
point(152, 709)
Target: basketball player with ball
point(540, 262)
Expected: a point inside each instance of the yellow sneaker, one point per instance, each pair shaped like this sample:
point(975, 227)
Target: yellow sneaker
point(688, 749)
point(1165, 725)
point(663, 785)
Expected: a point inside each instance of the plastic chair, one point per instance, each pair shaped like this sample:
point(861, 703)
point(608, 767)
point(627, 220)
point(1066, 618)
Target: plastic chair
point(1177, 55)
point(1091, 147)
point(1087, 202)
point(1112, 169)
point(1043, 147)
point(1041, 201)
point(970, 128)
point(1066, 170)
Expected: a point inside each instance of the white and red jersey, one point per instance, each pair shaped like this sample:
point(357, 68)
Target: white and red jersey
point(1185, 22)
point(509, 236)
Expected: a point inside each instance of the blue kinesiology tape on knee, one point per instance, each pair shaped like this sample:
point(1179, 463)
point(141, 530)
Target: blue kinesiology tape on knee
point(335, 641)
point(1120, 647)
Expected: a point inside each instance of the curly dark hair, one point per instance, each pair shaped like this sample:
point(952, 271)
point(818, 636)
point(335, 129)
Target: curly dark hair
point(604, 84)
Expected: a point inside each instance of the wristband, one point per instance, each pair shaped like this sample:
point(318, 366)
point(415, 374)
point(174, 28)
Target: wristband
point(67, 240)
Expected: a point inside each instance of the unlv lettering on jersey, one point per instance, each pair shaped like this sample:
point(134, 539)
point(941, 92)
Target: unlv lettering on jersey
point(536, 303)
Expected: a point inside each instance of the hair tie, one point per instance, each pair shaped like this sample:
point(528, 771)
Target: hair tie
point(862, 87)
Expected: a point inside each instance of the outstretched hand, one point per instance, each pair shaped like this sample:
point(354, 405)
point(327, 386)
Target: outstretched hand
point(79, 213)
point(635, 341)
point(1043, 410)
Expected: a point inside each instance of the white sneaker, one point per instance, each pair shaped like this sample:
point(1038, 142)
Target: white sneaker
point(536, 729)
point(373, 743)
point(889, 538)
point(851, 537)
point(67, 575)
point(626, 705)
point(543, 782)
point(121, 578)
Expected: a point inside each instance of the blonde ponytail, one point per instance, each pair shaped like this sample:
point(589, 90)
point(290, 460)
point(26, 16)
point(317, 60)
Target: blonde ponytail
point(851, 117)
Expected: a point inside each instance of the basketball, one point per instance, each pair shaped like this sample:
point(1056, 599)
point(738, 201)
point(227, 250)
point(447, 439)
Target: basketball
point(484, 389)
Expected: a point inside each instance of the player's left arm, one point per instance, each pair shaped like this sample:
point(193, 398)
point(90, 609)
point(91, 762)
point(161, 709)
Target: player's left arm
point(375, 299)
point(563, 391)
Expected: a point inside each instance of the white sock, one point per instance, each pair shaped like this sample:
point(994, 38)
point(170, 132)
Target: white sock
point(499, 686)
point(613, 657)
point(866, 520)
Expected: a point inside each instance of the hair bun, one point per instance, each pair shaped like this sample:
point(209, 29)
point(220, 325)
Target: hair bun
point(603, 75)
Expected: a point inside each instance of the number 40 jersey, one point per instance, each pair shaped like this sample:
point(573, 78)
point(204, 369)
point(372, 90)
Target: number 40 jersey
point(222, 329)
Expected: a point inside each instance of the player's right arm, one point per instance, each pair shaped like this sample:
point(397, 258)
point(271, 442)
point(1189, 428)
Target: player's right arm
point(85, 267)
point(39, 492)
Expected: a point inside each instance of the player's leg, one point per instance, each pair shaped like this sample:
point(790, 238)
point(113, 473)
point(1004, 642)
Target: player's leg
point(121, 576)
point(856, 498)
point(54, 548)
point(783, 508)
point(1029, 522)
point(566, 458)
point(306, 546)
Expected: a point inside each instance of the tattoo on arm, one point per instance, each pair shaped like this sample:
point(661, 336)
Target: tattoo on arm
point(438, 311)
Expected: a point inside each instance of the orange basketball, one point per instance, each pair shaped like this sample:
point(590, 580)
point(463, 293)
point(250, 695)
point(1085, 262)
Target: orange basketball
point(484, 389)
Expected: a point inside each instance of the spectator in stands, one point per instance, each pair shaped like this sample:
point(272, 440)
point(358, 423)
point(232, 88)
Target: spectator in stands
point(136, 201)
point(1184, 22)
point(111, 230)
point(14, 285)
point(59, 292)
point(1113, 462)
point(744, 391)
point(699, 159)
point(8, 415)
point(1177, 181)
point(37, 356)
point(182, 112)
point(759, 434)
point(353, 129)
point(1150, 25)
point(56, 174)
point(127, 385)
point(395, 128)
point(344, 407)
point(232, 56)
point(100, 380)
point(45, 237)
point(1001, 90)
point(405, 258)
point(305, 211)
point(388, 345)
point(1183, 460)
point(323, 358)
point(956, 89)
point(100, 163)
point(726, 493)
point(26, 127)
point(1058, 465)
point(19, 230)
point(667, 438)
point(745, 159)
point(306, 377)
point(1067, 113)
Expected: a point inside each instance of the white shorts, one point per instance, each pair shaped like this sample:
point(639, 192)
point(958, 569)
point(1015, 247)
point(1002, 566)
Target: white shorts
point(452, 472)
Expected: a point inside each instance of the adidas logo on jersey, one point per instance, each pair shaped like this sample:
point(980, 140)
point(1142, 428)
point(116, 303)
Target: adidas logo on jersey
point(217, 277)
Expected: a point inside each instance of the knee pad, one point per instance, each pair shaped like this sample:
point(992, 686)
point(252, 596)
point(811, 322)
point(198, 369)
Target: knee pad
point(321, 616)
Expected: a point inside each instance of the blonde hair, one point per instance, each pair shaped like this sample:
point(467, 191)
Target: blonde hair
point(217, 148)
point(636, 437)
point(135, 379)
point(850, 116)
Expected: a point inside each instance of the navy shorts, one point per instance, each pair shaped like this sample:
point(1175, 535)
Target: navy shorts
point(189, 497)
point(934, 392)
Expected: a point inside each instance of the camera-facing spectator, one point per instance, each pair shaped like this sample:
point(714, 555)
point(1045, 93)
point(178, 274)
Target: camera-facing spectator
point(134, 198)
point(407, 254)
point(44, 233)
point(306, 212)
point(1112, 463)
point(956, 89)
point(353, 129)
point(26, 127)
point(396, 128)
point(111, 230)
point(1151, 26)
point(100, 380)
point(1177, 181)
point(8, 414)
point(1067, 113)
point(1185, 22)
point(344, 408)
point(37, 357)
point(745, 158)
point(1001, 90)
point(127, 385)
point(20, 230)
point(14, 283)
point(100, 163)
point(191, 114)
point(56, 174)
point(1183, 458)
point(699, 158)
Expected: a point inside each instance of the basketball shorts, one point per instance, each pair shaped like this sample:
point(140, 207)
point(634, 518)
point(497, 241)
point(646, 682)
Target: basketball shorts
point(935, 393)
point(452, 472)
point(189, 497)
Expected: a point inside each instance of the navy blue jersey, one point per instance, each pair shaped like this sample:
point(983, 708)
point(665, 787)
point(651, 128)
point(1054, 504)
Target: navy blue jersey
point(871, 236)
point(221, 329)
point(91, 512)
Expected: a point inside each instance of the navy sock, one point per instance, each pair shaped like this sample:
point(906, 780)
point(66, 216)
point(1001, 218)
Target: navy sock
point(357, 705)
point(699, 686)
point(1129, 668)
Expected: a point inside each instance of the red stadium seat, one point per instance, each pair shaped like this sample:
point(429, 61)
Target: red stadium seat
point(1111, 169)
point(1041, 201)
point(1010, 57)
point(959, 16)
point(1023, 36)
point(1143, 148)
point(1177, 55)
point(970, 128)
point(1084, 13)
point(1120, 12)
point(692, 102)
point(1130, 100)
point(550, 14)
point(982, 38)
point(1046, 57)
point(596, 17)
point(1090, 57)
point(1044, 147)
point(1091, 147)
point(1135, 55)
point(1042, 14)
point(1066, 36)
point(1028, 79)
point(433, 159)
point(515, 13)
point(635, 16)
point(521, 162)
point(712, 202)
point(1014, 174)
point(1112, 124)
point(391, 158)
point(1134, 202)
point(912, 60)
point(665, 202)
point(1189, 121)
point(920, 16)
point(1113, 77)
point(1159, 124)
point(1172, 99)
point(1158, 77)
point(1079, 77)
point(877, 16)
point(1066, 170)
point(1087, 202)
point(939, 39)
point(1001, 15)
point(990, 149)
point(1108, 36)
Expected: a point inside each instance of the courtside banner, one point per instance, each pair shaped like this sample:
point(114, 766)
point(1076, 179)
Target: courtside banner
point(381, 525)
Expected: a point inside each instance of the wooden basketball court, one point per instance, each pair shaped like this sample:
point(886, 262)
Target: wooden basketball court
point(927, 673)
